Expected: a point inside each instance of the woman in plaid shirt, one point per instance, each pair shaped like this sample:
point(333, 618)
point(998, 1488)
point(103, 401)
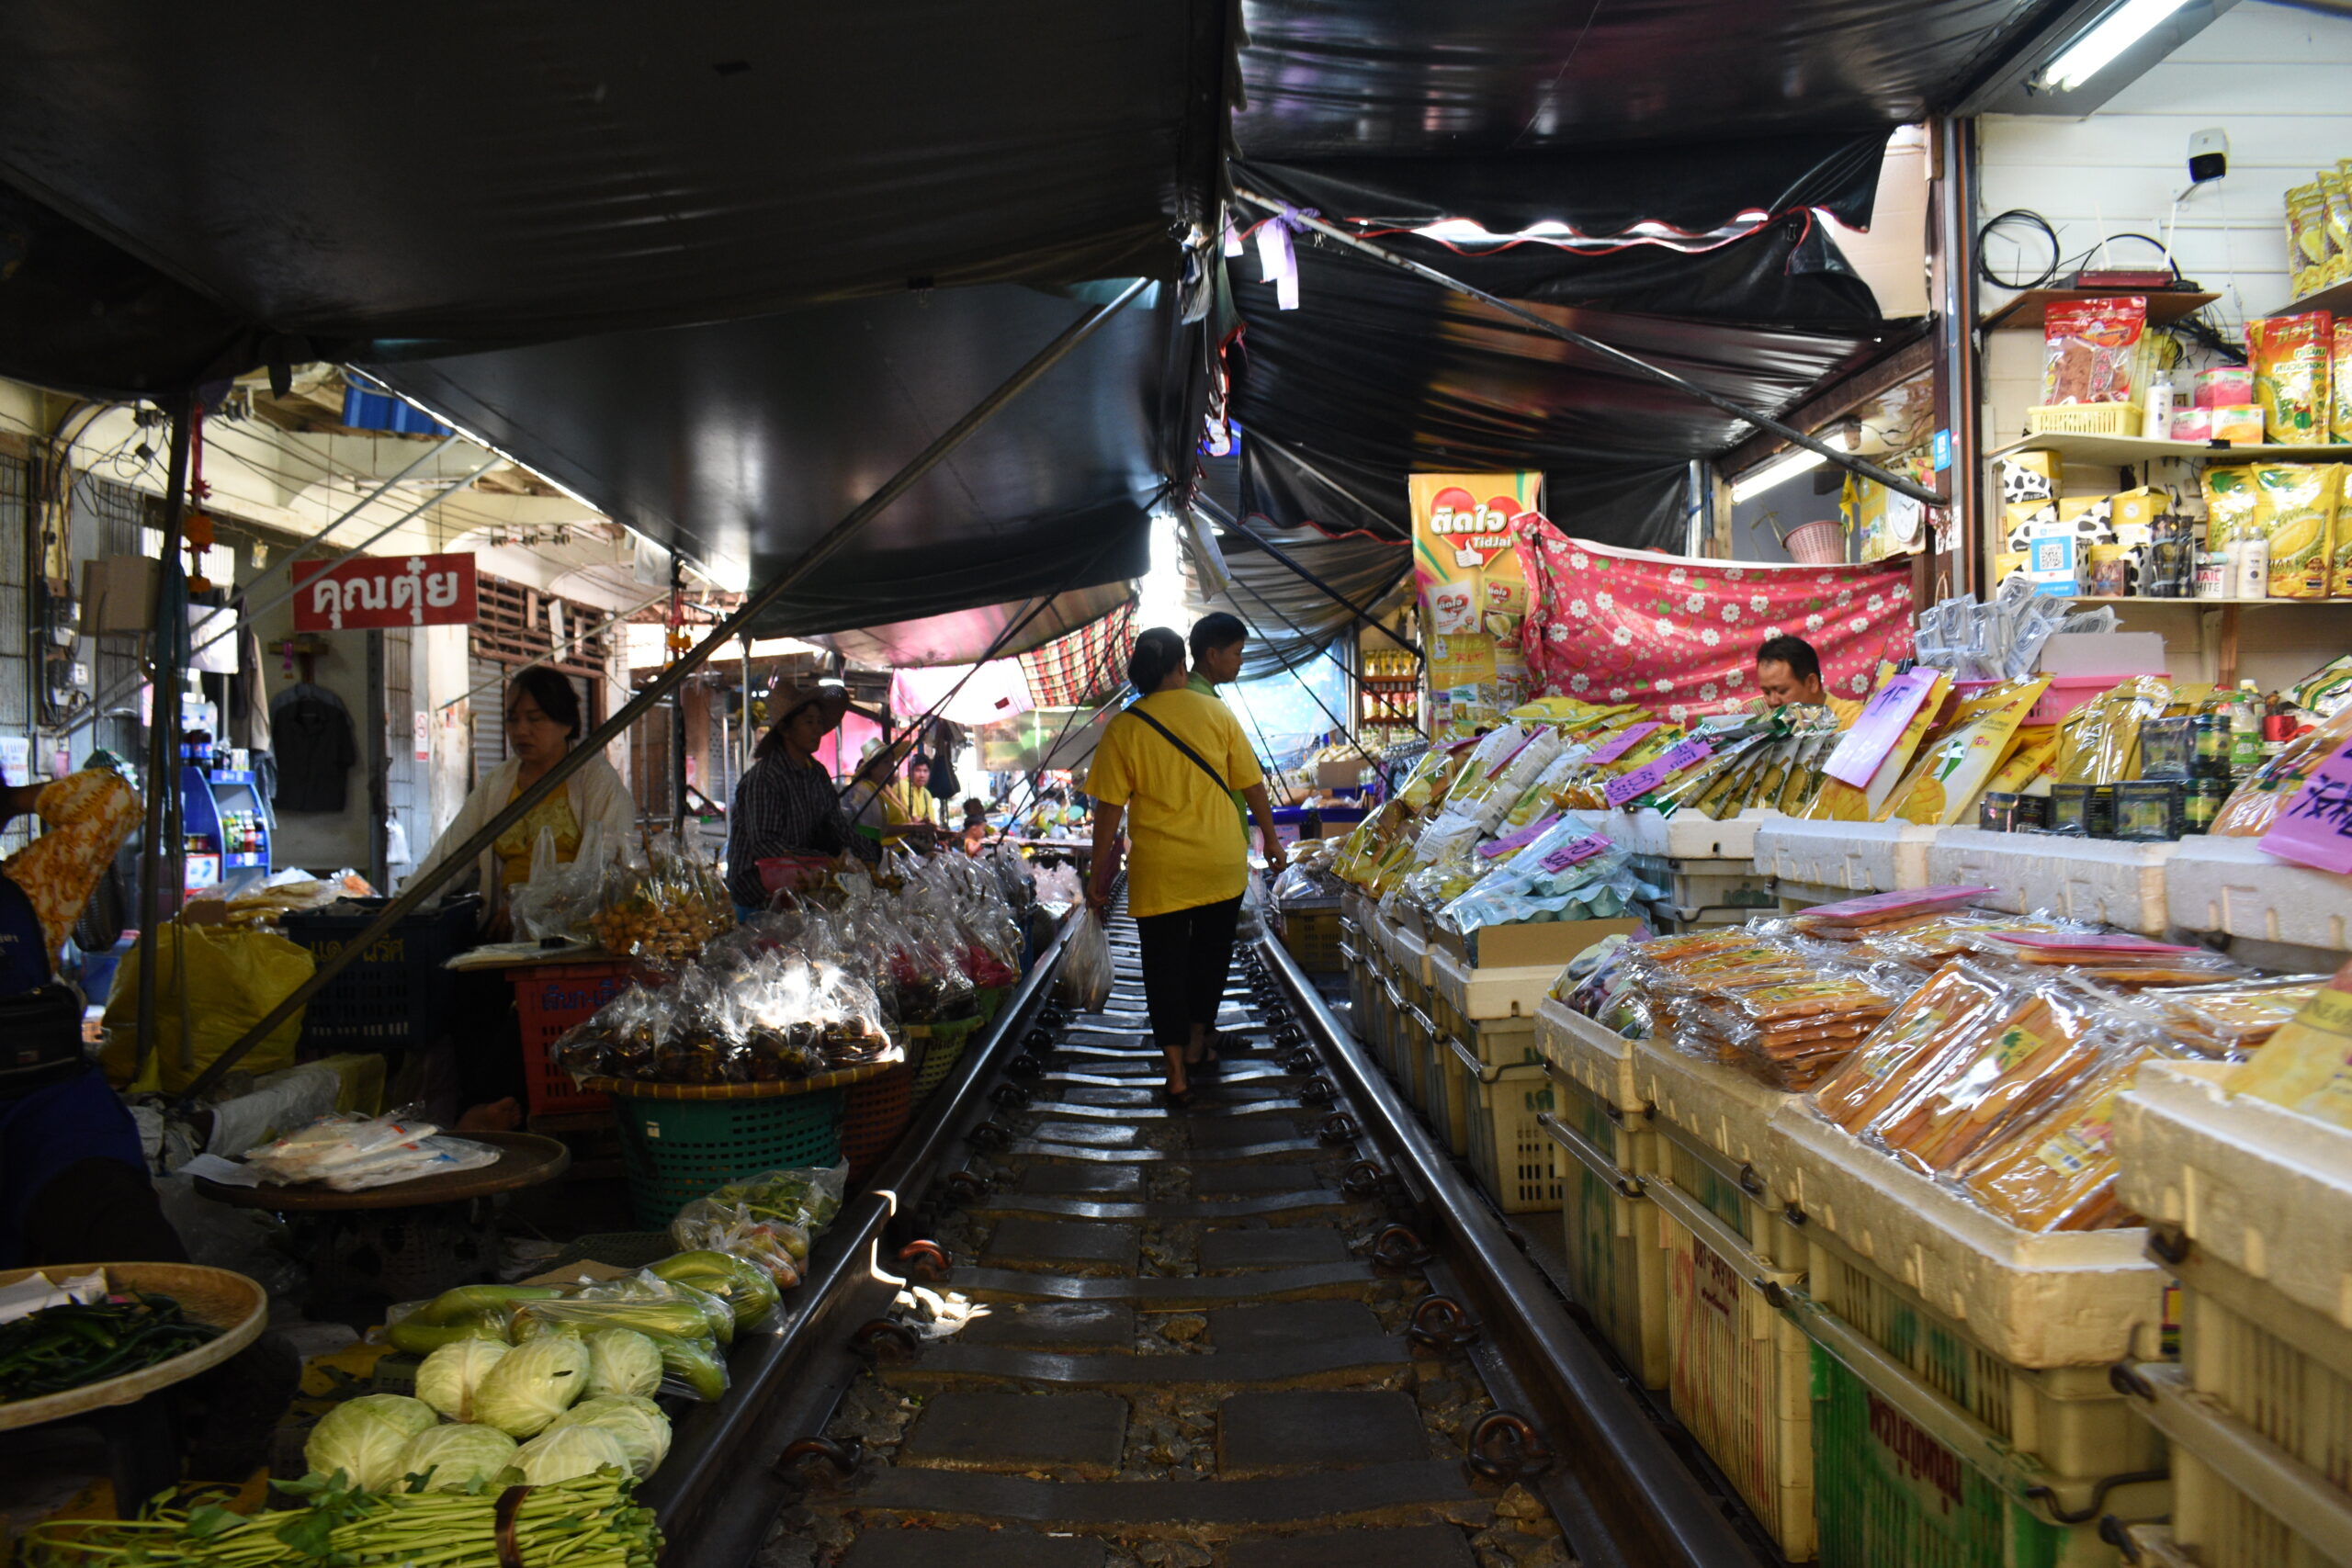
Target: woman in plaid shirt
point(786, 803)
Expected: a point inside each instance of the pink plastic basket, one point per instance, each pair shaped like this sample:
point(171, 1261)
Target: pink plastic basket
point(1817, 544)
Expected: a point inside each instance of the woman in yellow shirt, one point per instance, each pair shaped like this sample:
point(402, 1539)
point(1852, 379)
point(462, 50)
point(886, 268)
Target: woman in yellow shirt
point(1166, 767)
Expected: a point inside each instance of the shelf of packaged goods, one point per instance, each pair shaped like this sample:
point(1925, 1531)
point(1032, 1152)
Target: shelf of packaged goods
point(2025, 311)
point(2136, 599)
point(2335, 300)
point(2124, 449)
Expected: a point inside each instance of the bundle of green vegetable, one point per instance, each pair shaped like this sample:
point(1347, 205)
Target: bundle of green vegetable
point(589, 1521)
point(74, 1345)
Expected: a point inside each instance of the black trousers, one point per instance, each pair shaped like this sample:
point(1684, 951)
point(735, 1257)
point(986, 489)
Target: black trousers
point(1186, 953)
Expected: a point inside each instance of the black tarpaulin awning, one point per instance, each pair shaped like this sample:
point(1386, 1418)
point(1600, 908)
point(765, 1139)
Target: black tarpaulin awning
point(1293, 621)
point(963, 637)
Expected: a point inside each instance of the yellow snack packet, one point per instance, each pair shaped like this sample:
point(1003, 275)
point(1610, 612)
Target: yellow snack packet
point(2031, 750)
point(2340, 549)
point(1951, 771)
point(2307, 1066)
point(2233, 506)
point(2302, 501)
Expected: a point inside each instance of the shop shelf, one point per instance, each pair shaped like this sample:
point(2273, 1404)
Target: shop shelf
point(2115, 881)
point(1853, 857)
point(2229, 885)
point(2059, 1298)
point(1902, 1477)
point(2120, 450)
point(1713, 1123)
point(1739, 1374)
point(2023, 312)
point(1509, 1150)
point(2252, 1185)
point(2238, 1500)
point(1590, 1052)
point(1609, 1228)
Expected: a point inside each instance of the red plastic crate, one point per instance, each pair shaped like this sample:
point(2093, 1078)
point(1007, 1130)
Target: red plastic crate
point(550, 999)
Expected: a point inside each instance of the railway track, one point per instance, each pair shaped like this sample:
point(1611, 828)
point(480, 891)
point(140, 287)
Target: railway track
point(1274, 1330)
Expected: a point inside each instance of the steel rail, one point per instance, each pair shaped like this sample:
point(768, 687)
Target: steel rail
point(1651, 1507)
point(716, 1495)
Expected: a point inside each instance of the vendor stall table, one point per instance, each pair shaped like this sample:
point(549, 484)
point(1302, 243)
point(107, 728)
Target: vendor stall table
point(411, 1239)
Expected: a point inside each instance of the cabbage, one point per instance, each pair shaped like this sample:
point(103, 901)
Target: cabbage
point(532, 1385)
point(643, 1431)
point(448, 1378)
point(567, 1451)
point(363, 1438)
point(454, 1458)
point(622, 1360)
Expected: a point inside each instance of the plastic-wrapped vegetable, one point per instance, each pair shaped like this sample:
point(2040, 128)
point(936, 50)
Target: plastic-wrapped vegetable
point(453, 1457)
point(364, 1438)
point(446, 1379)
point(746, 1287)
point(533, 1385)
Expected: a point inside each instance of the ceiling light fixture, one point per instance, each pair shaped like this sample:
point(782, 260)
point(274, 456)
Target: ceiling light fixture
point(2094, 51)
point(1779, 471)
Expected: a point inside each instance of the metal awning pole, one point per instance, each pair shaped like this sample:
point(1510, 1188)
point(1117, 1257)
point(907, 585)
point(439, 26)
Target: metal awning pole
point(753, 606)
point(751, 733)
point(1333, 594)
point(162, 725)
point(1610, 352)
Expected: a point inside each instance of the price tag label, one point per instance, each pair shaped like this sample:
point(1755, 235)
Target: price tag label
point(1623, 742)
point(1865, 746)
point(1519, 839)
point(1649, 775)
point(1583, 849)
point(2316, 829)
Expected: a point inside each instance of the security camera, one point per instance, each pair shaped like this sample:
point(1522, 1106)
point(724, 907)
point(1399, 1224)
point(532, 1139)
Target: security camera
point(2209, 155)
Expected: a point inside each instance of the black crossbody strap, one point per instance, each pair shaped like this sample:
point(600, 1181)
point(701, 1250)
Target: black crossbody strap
point(1198, 760)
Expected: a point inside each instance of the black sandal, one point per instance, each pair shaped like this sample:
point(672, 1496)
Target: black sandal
point(1178, 1099)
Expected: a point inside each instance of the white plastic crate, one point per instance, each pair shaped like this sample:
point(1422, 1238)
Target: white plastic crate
point(2239, 1501)
point(2230, 886)
point(1853, 857)
point(1739, 1374)
point(1713, 1127)
point(1411, 956)
point(2112, 880)
point(1509, 1149)
point(2280, 1368)
point(1592, 1054)
point(1616, 1266)
point(2261, 1188)
point(2061, 1299)
point(1686, 835)
point(1624, 1140)
point(1498, 993)
point(1729, 890)
point(1902, 1477)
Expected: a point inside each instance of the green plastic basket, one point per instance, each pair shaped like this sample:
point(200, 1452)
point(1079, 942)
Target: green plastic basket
point(942, 1045)
point(991, 999)
point(674, 1151)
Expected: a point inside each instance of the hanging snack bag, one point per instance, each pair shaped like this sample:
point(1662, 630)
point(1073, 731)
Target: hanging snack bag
point(2094, 350)
point(1951, 771)
point(2339, 382)
point(2307, 241)
point(2340, 547)
point(2302, 505)
point(2291, 382)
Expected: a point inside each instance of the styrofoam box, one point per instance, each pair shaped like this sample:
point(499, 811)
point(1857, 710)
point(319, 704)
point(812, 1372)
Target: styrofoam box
point(2230, 886)
point(1860, 857)
point(2062, 1299)
point(1411, 956)
point(1691, 885)
point(1592, 1054)
point(1686, 835)
point(1722, 1107)
point(1490, 993)
point(2264, 1190)
point(2117, 881)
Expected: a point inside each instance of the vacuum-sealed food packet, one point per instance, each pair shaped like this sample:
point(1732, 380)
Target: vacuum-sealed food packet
point(2018, 1055)
point(1882, 1064)
point(2055, 1170)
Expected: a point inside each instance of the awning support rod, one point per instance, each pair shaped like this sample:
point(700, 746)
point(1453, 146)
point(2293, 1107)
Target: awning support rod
point(163, 724)
point(755, 605)
point(1328, 591)
point(1615, 356)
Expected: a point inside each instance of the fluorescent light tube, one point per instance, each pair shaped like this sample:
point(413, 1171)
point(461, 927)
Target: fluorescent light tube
point(2095, 50)
point(1779, 471)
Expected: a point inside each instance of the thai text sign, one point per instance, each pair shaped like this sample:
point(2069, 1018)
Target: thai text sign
point(384, 590)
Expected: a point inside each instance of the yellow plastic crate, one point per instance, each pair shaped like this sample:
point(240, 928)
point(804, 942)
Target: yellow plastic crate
point(1739, 1375)
point(2274, 1364)
point(2084, 419)
point(1452, 1090)
point(1313, 938)
point(1509, 1149)
point(1616, 1267)
point(2239, 1501)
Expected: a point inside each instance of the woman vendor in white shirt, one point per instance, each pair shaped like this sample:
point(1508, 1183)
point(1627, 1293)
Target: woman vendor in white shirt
point(543, 721)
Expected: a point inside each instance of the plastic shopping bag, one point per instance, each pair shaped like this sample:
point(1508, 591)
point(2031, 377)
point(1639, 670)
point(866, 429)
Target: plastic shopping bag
point(1086, 967)
point(215, 982)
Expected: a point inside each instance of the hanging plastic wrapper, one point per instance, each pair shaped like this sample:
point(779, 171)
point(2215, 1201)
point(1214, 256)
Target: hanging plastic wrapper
point(1085, 978)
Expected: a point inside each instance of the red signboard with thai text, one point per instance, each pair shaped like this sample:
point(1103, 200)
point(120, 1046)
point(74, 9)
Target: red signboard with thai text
point(384, 590)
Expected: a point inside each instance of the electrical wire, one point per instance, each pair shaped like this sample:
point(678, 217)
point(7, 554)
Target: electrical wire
point(2016, 215)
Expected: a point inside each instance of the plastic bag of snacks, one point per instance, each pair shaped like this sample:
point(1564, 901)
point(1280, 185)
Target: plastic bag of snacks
point(2254, 807)
point(2055, 1169)
point(1567, 872)
point(560, 900)
point(664, 911)
point(2291, 358)
point(2030, 1047)
point(1875, 1074)
point(769, 1219)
